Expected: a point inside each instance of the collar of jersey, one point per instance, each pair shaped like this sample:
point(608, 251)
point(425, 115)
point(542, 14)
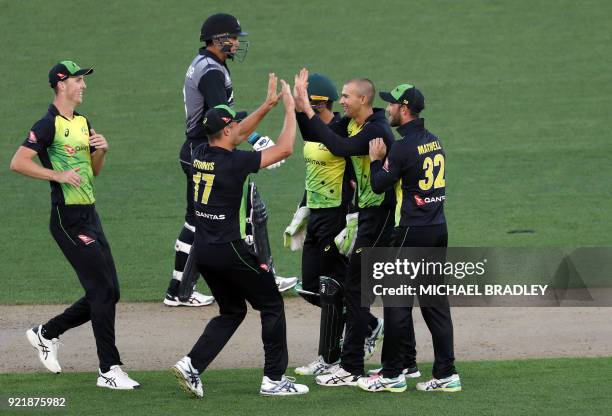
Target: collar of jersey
point(55, 112)
point(209, 54)
point(411, 127)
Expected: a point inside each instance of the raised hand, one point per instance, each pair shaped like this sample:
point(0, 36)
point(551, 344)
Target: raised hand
point(302, 102)
point(288, 101)
point(272, 97)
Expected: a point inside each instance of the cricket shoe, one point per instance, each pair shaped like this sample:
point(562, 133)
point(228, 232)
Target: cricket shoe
point(315, 368)
point(286, 386)
point(47, 348)
point(116, 379)
point(337, 376)
point(409, 372)
point(285, 283)
point(196, 299)
point(448, 384)
point(378, 383)
point(188, 377)
point(373, 341)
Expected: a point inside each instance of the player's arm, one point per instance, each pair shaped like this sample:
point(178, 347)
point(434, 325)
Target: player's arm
point(384, 177)
point(286, 139)
point(23, 163)
point(212, 88)
point(356, 145)
point(100, 147)
point(321, 132)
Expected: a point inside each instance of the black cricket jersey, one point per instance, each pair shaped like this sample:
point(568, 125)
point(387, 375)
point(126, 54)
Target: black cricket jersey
point(63, 144)
point(220, 178)
point(415, 167)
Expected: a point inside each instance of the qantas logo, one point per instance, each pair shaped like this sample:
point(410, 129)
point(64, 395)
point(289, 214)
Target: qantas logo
point(87, 240)
point(71, 151)
point(424, 201)
point(210, 216)
point(386, 166)
point(226, 119)
point(32, 137)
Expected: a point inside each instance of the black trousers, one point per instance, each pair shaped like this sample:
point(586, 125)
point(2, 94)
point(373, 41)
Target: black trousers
point(234, 278)
point(78, 232)
point(375, 229)
point(320, 256)
point(399, 344)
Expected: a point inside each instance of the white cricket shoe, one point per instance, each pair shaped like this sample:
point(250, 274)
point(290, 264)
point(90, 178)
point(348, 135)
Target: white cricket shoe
point(379, 383)
point(315, 368)
point(47, 348)
point(337, 376)
point(188, 377)
point(196, 299)
point(373, 341)
point(286, 386)
point(285, 283)
point(410, 372)
point(448, 384)
point(116, 379)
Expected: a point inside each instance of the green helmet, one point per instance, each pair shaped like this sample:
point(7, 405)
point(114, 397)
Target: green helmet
point(321, 88)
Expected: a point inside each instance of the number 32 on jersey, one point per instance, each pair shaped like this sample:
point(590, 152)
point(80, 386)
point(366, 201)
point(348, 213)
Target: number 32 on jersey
point(208, 179)
point(435, 179)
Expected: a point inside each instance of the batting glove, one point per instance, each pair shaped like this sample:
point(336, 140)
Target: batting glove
point(345, 240)
point(295, 233)
point(260, 143)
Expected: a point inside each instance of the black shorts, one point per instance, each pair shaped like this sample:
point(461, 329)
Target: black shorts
point(234, 275)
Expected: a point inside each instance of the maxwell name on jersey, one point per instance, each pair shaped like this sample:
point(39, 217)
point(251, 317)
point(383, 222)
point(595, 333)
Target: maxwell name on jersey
point(429, 147)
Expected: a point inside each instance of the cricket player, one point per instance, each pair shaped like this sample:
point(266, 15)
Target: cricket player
point(207, 84)
point(350, 137)
point(322, 217)
point(72, 153)
point(227, 263)
point(415, 168)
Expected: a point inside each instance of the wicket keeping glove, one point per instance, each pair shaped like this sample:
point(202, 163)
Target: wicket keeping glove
point(295, 233)
point(345, 241)
point(260, 143)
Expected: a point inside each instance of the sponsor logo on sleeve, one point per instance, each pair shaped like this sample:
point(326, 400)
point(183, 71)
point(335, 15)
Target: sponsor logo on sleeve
point(87, 240)
point(32, 137)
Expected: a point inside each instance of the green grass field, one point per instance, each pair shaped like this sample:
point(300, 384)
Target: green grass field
point(520, 93)
point(525, 387)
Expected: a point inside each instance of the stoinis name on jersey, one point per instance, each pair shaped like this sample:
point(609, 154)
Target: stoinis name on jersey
point(429, 147)
point(199, 164)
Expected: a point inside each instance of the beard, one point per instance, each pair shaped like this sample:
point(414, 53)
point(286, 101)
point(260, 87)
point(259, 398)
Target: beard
point(394, 120)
